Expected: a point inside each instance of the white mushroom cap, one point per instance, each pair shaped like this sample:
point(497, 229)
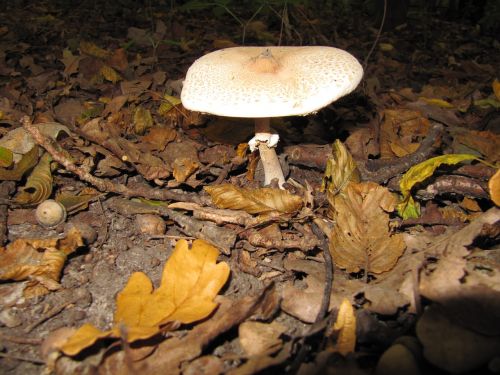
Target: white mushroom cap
point(269, 81)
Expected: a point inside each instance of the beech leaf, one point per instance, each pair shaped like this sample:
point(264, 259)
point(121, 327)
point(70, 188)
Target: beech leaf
point(362, 238)
point(191, 279)
point(254, 201)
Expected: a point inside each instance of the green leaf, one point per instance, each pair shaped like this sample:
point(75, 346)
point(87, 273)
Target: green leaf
point(6, 157)
point(27, 162)
point(419, 173)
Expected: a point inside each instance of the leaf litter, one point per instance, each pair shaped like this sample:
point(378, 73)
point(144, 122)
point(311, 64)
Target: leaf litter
point(232, 278)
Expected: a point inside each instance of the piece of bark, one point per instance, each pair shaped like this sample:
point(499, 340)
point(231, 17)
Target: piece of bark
point(6, 189)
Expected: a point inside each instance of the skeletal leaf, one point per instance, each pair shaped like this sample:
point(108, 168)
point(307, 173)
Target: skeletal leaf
point(254, 201)
point(191, 279)
point(345, 325)
point(362, 238)
point(38, 185)
point(418, 173)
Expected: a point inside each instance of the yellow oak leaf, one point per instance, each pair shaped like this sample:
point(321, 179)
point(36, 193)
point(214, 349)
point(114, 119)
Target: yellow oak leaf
point(494, 187)
point(191, 279)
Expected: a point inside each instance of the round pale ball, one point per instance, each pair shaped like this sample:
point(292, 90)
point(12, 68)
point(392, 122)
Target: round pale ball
point(149, 224)
point(50, 213)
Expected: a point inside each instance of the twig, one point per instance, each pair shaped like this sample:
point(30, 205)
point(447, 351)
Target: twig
point(51, 313)
point(102, 184)
point(379, 32)
point(381, 170)
point(22, 358)
point(21, 340)
point(325, 303)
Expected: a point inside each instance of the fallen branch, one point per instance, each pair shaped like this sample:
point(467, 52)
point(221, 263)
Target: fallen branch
point(103, 184)
point(381, 170)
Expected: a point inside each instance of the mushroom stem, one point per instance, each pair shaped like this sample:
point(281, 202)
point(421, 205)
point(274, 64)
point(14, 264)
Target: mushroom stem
point(270, 161)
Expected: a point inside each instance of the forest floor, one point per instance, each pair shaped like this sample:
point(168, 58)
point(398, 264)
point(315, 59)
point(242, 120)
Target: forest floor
point(355, 267)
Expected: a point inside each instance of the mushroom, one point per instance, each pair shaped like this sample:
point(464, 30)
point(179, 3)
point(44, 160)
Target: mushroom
point(265, 82)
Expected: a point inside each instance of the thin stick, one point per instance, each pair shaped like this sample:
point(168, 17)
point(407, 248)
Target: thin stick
point(365, 63)
point(21, 358)
point(102, 184)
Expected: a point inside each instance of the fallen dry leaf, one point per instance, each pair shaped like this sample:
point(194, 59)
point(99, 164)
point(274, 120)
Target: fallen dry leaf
point(258, 338)
point(38, 260)
point(172, 353)
point(191, 279)
point(254, 201)
point(399, 130)
point(494, 187)
point(26, 162)
point(183, 168)
point(157, 138)
point(484, 142)
point(464, 292)
point(362, 238)
point(38, 186)
point(345, 326)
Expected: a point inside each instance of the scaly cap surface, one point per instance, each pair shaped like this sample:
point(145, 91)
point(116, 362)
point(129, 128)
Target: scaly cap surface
point(269, 81)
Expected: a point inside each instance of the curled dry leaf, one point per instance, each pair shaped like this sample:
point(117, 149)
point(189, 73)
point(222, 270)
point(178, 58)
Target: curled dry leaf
point(191, 279)
point(340, 170)
point(361, 238)
point(38, 185)
point(399, 130)
point(26, 162)
point(39, 260)
point(254, 201)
